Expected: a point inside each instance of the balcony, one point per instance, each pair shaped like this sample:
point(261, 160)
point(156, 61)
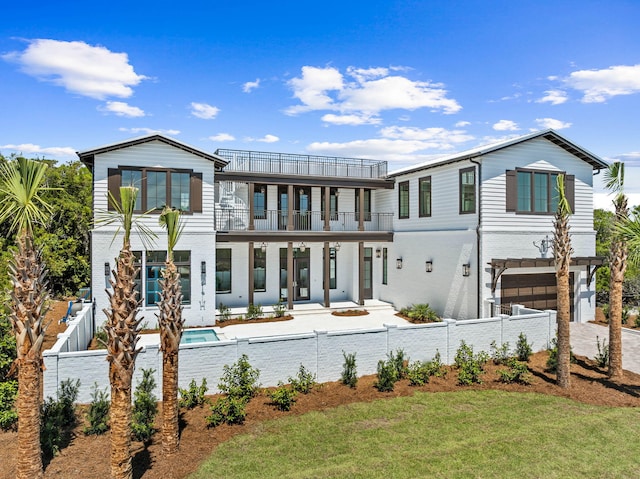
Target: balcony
point(237, 219)
point(309, 165)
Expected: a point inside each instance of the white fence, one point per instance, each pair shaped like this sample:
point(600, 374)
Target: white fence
point(321, 352)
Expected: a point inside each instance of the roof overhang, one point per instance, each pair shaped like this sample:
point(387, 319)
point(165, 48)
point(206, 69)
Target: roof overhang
point(305, 180)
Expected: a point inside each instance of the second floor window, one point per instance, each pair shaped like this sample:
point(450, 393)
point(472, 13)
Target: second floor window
point(536, 191)
point(424, 188)
point(468, 190)
point(260, 202)
point(367, 204)
point(403, 199)
point(333, 203)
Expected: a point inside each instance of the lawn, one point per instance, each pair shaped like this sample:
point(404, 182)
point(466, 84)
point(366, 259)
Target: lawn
point(479, 434)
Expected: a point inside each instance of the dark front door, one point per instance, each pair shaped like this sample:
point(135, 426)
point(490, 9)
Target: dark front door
point(301, 277)
point(368, 273)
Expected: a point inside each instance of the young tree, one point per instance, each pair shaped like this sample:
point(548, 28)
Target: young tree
point(614, 182)
point(123, 328)
point(21, 207)
point(171, 323)
point(562, 251)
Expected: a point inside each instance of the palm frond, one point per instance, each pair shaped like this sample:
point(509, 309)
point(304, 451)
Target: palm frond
point(614, 177)
point(171, 220)
point(563, 202)
point(629, 231)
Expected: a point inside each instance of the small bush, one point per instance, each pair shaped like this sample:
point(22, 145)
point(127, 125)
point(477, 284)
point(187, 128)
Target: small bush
point(518, 372)
point(420, 313)
point(500, 355)
point(399, 362)
point(304, 381)
point(240, 380)
point(225, 312)
point(58, 417)
point(101, 338)
point(625, 315)
point(98, 412)
point(194, 395)
point(349, 372)
point(602, 358)
point(387, 375)
point(145, 407)
point(470, 365)
point(552, 360)
point(283, 398)
point(418, 373)
point(605, 311)
point(8, 414)
point(254, 311)
point(524, 349)
point(436, 366)
point(227, 409)
point(279, 309)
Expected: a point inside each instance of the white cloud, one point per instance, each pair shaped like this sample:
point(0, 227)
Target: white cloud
point(351, 119)
point(150, 131)
point(249, 86)
point(555, 97)
point(264, 139)
point(461, 124)
point(552, 123)
point(439, 138)
point(31, 149)
point(80, 68)
point(204, 111)
point(222, 137)
point(506, 125)
point(365, 92)
point(629, 159)
point(598, 86)
point(121, 108)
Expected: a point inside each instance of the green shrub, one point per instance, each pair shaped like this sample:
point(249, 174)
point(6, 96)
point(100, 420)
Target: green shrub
point(606, 308)
point(387, 375)
point(500, 355)
point(552, 360)
point(8, 414)
point(399, 362)
point(304, 381)
point(227, 409)
point(418, 373)
point(625, 314)
point(101, 338)
point(420, 313)
point(518, 372)
point(58, 417)
point(194, 395)
point(283, 397)
point(225, 312)
point(254, 311)
point(349, 372)
point(98, 412)
point(470, 366)
point(240, 380)
point(524, 350)
point(145, 407)
point(602, 358)
point(279, 309)
point(436, 366)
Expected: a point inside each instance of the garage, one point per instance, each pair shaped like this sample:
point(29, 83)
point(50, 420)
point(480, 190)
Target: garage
point(537, 291)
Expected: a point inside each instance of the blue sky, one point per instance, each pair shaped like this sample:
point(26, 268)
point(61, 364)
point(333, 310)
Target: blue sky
point(402, 81)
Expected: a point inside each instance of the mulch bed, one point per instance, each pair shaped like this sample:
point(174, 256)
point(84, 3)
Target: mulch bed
point(415, 321)
point(230, 322)
point(350, 312)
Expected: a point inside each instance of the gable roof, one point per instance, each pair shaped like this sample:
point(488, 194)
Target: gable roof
point(88, 156)
point(596, 162)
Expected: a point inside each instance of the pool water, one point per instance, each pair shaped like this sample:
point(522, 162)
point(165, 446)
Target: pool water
point(190, 336)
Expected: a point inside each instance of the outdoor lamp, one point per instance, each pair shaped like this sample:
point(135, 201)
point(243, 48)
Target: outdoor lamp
point(378, 252)
point(303, 247)
point(428, 266)
point(466, 269)
point(263, 247)
point(107, 269)
point(399, 263)
point(337, 246)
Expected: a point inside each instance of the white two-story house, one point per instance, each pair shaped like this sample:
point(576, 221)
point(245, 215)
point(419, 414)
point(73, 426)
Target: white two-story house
point(468, 233)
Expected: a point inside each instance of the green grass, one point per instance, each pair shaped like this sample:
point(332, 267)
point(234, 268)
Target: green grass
point(470, 434)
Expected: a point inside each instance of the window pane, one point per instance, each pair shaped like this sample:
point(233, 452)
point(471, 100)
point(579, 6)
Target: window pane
point(180, 191)
point(403, 199)
point(541, 192)
point(468, 191)
point(524, 191)
point(223, 270)
point(384, 266)
point(156, 189)
point(182, 260)
point(259, 202)
point(259, 270)
point(425, 196)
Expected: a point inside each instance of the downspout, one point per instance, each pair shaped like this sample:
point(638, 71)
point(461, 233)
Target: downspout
point(478, 242)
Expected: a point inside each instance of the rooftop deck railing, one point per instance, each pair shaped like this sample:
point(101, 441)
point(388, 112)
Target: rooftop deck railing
point(288, 163)
point(237, 219)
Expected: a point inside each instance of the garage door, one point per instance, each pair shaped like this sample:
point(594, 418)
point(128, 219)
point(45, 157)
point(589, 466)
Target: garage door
point(537, 291)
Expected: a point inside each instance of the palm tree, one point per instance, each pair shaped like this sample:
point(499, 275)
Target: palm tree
point(21, 182)
point(562, 258)
point(614, 182)
point(122, 328)
point(171, 324)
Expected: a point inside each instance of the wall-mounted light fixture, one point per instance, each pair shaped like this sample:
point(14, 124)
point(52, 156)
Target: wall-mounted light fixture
point(399, 263)
point(263, 247)
point(378, 252)
point(303, 247)
point(203, 273)
point(337, 246)
point(428, 266)
point(466, 269)
point(107, 269)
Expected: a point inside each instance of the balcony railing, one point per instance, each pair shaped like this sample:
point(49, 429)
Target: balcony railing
point(286, 163)
point(237, 219)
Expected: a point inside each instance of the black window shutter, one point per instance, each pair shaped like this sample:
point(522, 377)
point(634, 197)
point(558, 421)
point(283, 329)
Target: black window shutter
point(196, 192)
point(570, 191)
point(113, 186)
point(512, 190)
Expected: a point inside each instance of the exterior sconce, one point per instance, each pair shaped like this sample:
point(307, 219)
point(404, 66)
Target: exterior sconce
point(263, 247)
point(337, 246)
point(399, 263)
point(107, 269)
point(303, 247)
point(378, 252)
point(203, 273)
point(262, 189)
point(428, 266)
point(466, 269)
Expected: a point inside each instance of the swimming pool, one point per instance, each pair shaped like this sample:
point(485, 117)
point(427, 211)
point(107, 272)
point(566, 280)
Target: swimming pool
point(190, 336)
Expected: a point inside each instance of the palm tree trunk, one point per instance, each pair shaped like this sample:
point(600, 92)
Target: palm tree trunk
point(563, 320)
point(29, 464)
point(170, 425)
point(120, 420)
point(617, 266)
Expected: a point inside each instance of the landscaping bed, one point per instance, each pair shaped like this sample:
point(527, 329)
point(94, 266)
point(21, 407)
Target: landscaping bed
point(350, 312)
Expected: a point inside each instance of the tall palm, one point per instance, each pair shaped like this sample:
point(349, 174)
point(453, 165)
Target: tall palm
point(21, 182)
point(562, 251)
point(171, 323)
point(614, 182)
point(122, 328)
